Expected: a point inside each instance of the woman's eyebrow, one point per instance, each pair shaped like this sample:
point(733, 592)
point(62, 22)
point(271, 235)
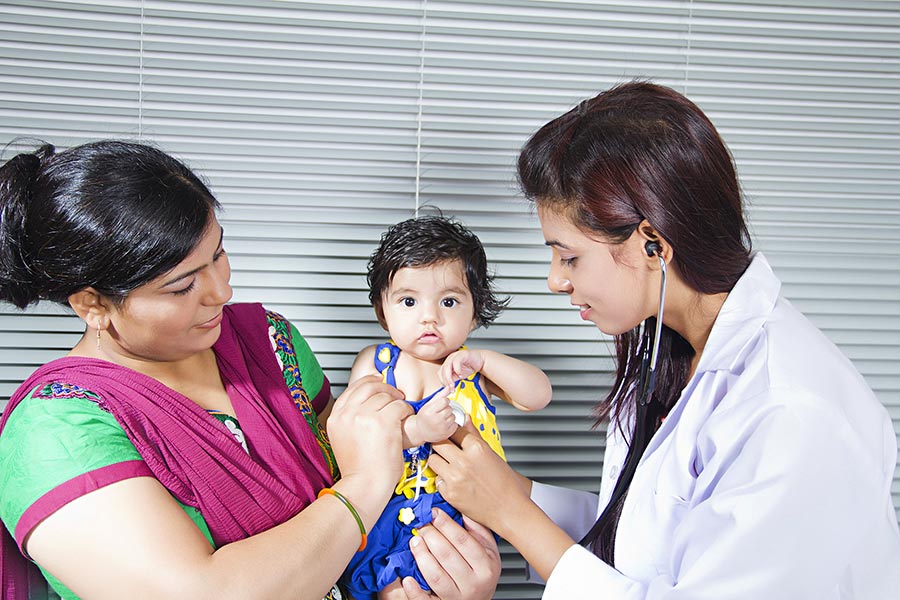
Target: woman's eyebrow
point(192, 271)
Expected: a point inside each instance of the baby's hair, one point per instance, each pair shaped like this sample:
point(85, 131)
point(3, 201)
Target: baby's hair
point(425, 241)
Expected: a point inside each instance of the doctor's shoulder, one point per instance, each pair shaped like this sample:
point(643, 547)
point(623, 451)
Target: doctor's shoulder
point(792, 379)
point(800, 356)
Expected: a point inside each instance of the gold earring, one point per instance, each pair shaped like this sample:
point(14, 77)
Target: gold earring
point(98, 338)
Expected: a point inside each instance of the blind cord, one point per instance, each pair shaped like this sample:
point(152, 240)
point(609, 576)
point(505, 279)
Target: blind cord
point(419, 102)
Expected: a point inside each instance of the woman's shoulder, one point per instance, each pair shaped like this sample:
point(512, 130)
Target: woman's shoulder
point(57, 433)
point(59, 415)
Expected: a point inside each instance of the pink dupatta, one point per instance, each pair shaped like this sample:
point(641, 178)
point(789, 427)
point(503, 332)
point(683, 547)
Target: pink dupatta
point(190, 452)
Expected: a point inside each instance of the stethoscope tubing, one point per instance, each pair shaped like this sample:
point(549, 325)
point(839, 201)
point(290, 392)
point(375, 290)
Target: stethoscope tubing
point(647, 387)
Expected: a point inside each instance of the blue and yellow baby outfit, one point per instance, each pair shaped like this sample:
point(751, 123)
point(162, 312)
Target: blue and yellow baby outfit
point(387, 556)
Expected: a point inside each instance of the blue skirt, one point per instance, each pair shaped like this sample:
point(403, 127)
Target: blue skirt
point(387, 556)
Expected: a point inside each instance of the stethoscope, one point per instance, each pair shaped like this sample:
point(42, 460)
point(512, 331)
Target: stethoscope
point(651, 352)
point(646, 382)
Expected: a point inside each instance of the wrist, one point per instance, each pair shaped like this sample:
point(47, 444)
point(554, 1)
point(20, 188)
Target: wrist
point(367, 495)
point(412, 432)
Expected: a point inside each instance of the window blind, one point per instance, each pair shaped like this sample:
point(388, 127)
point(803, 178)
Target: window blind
point(318, 124)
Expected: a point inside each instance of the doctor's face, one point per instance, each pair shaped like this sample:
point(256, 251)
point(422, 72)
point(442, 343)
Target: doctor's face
point(605, 281)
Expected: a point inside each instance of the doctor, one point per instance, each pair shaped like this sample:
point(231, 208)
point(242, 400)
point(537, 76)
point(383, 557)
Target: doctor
point(746, 457)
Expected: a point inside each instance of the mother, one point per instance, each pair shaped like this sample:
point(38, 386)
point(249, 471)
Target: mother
point(179, 449)
point(760, 464)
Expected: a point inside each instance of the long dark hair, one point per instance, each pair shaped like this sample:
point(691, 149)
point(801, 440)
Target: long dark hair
point(111, 215)
point(641, 151)
point(424, 241)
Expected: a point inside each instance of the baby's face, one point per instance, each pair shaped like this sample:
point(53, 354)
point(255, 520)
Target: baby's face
point(428, 310)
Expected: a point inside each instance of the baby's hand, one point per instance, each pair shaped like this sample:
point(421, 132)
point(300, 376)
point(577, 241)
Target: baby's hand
point(459, 365)
point(435, 419)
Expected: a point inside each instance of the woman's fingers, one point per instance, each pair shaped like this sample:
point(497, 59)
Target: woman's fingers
point(414, 591)
point(395, 591)
point(456, 563)
point(365, 389)
point(451, 450)
point(482, 534)
point(472, 477)
point(365, 430)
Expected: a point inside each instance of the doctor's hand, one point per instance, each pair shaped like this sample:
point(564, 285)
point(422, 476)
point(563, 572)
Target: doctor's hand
point(477, 482)
point(484, 488)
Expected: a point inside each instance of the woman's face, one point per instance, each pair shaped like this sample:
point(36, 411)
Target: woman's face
point(609, 283)
point(178, 314)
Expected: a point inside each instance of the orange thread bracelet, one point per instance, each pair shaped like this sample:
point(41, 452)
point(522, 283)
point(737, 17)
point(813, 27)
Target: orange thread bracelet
point(339, 496)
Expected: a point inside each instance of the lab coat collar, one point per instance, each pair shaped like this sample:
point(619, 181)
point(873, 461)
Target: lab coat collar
point(746, 309)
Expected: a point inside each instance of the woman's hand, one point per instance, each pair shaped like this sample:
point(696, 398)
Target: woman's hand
point(364, 429)
point(458, 563)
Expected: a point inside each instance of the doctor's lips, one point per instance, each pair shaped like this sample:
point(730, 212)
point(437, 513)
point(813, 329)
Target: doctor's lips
point(583, 310)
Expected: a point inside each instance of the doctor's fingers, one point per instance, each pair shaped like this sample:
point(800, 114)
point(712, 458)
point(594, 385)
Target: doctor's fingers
point(449, 459)
point(465, 440)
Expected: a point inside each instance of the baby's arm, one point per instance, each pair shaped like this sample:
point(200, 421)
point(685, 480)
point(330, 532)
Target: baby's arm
point(363, 364)
point(434, 421)
point(521, 384)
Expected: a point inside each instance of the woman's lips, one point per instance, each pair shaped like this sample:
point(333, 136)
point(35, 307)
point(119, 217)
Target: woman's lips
point(214, 322)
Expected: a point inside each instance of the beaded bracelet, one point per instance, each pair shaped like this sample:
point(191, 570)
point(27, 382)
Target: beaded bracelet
point(339, 496)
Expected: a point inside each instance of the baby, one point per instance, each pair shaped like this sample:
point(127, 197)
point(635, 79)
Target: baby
point(430, 287)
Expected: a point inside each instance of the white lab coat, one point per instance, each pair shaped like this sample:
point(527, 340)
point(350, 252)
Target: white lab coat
point(770, 479)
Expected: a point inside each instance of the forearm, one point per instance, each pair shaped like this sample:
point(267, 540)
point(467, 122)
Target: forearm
point(521, 384)
point(313, 548)
point(537, 538)
point(132, 539)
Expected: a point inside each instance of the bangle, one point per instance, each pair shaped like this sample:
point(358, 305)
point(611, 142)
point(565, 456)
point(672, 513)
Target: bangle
point(340, 496)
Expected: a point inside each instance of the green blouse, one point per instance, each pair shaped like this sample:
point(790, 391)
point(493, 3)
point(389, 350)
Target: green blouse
point(78, 437)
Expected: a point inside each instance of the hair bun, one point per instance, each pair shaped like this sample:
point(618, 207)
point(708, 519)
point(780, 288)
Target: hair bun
point(17, 181)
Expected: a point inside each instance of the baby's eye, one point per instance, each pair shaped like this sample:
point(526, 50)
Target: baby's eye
point(408, 302)
point(449, 302)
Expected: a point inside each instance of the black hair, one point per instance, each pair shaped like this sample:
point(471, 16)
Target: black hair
point(111, 215)
point(431, 240)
